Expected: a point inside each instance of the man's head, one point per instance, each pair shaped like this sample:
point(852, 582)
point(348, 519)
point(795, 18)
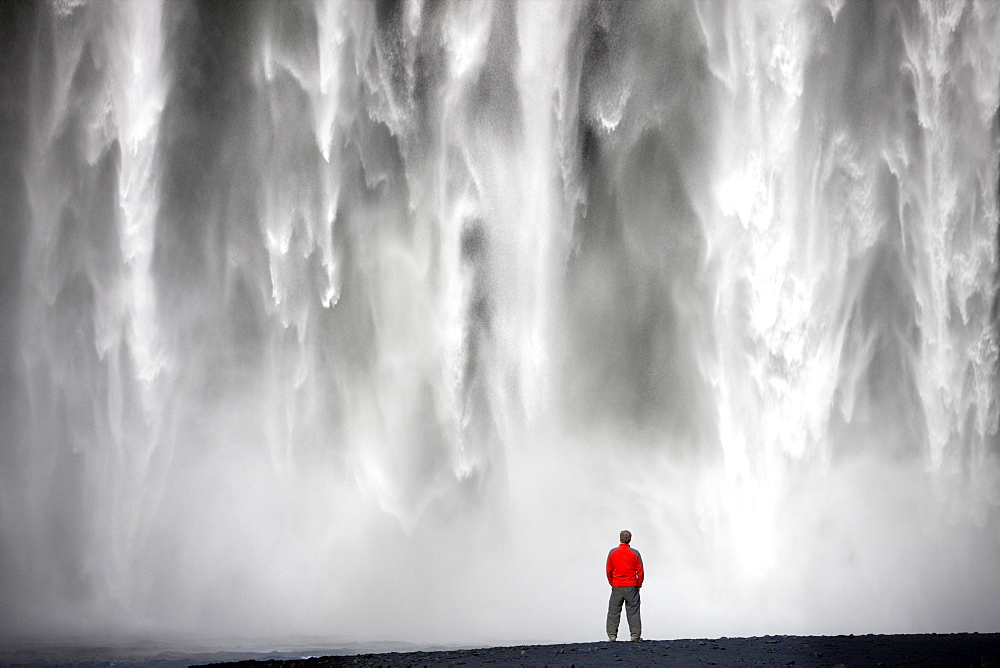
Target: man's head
point(625, 536)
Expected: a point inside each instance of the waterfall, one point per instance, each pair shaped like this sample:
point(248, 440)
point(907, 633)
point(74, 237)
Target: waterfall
point(378, 321)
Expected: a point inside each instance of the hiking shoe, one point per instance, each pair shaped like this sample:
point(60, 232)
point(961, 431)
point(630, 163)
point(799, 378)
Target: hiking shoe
point(612, 638)
point(636, 639)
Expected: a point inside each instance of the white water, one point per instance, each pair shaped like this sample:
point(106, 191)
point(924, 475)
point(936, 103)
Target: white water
point(372, 322)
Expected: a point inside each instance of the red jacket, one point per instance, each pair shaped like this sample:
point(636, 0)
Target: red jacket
point(624, 567)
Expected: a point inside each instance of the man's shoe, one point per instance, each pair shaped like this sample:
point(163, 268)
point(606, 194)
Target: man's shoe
point(636, 639)
point(612, 638)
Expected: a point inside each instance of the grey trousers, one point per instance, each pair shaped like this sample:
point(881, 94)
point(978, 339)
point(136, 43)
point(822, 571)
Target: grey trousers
point(630, 597)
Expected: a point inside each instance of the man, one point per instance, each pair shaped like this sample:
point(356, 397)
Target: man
point(625, 575)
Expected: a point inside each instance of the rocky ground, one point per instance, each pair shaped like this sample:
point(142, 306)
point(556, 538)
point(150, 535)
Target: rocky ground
point(977, 650)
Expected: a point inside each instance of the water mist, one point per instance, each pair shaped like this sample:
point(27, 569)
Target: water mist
point(378, 321)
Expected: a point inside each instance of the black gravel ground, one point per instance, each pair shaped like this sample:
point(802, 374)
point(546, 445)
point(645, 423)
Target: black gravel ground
point(977, 650)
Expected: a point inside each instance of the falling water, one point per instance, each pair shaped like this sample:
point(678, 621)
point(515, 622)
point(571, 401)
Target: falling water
point(379, 320)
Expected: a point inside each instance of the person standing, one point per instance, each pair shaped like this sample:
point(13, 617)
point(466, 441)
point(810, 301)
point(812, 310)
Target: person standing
point(624, 569)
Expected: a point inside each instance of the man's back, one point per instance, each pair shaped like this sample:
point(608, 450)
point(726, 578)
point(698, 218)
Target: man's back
point(624, 567)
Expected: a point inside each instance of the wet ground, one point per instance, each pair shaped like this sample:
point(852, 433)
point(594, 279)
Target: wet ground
point(978, 650)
